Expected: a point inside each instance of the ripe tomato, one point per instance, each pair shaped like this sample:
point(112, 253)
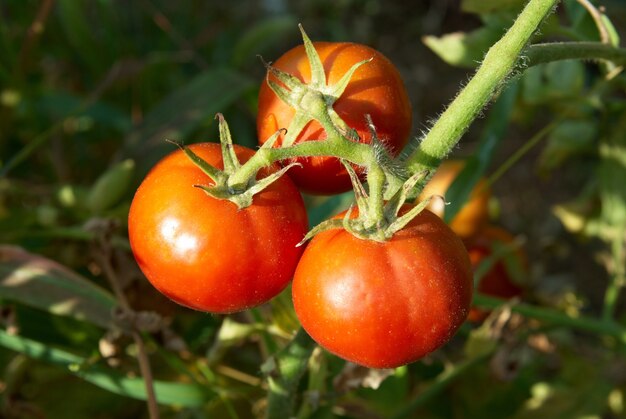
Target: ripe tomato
point(498, 281)
point(474, 214)
point(383, 305)
point(375, 89)
point(205, 253)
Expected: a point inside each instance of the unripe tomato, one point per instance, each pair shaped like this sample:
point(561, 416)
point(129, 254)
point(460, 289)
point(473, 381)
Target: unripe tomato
point(205, 253)
point(474, 214)
point(383, 305)
point(375, 89)
point(498, 281)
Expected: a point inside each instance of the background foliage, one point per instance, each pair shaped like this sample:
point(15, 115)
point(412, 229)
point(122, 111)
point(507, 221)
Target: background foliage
point(89, 91)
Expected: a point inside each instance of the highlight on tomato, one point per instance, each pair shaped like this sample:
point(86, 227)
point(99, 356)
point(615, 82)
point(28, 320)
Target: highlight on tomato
point(474, 214)
point(375, 89)
point(499, 263)
point(206, 253)
point(384, 304)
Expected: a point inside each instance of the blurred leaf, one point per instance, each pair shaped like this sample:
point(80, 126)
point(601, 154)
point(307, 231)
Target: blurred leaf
point(568, 139)
point(477, 164)
point(170, 393)
point(79, 32)
point(489, 6)
point(283, 313)
point(231, 333)
point(481, 341)
point(285, 371)
point(176, 116)
point(547, 83)
point(575, 11)
point(57, 105)
point(385, 390)
point(611, 176)
point(579, 391)
point(111, 186)
point(464, 49)
point(39, 282)
point(260, 37)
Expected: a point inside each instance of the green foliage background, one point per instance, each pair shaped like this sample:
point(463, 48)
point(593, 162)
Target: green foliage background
point(89, 91)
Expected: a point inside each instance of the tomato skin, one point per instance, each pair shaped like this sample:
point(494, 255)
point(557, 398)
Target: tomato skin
point(376, 88)
point(498, 281)
point(383, 305)
point(205, 253)
point(474, 215)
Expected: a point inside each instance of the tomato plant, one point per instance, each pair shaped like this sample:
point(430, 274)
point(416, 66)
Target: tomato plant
point(474, 214)
point(205, 253)
point(493, 246)
point(375, 89)
point(384, 304)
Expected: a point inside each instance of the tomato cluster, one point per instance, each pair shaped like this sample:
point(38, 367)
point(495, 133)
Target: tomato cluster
point(377, 303)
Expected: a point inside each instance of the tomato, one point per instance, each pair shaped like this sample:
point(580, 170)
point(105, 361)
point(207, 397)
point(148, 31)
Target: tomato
point(474, 214)
point(383, 305)
point(376, 88)
point(498, 281)
point(205, 253)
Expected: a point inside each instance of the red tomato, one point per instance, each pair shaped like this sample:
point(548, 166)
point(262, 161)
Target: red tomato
point(375, 89)
point(474, 214)
point(498, 281)
point(205, 253)
point(383, 305)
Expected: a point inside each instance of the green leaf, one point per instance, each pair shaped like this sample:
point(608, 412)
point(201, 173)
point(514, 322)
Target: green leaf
point(184, 110)
point(257, 39)
point(79, 33)
point(42, 283)
point(111, 186)
point(170, 393)
point(580, 390)
point(548, 83)
point(283, 313)
point(568, 139)
point(285, 372)
point(463, 49)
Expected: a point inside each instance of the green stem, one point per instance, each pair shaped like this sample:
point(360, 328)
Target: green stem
point(602, 327)
point(617, 279)
point(291, 363)
point(591, 51)
point(497, 65)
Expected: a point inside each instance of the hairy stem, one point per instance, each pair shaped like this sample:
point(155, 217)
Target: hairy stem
point(591, 51)
point(497, 65)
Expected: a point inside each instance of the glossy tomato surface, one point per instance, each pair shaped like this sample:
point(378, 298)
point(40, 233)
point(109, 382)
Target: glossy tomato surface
point(499, 280)
point(474, 214)
point(375, 89)
point(205, 253)
point(383, 305)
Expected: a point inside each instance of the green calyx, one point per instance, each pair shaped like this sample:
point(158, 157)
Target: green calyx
point(228, 183)
point(376, 220)
point(313, 100)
